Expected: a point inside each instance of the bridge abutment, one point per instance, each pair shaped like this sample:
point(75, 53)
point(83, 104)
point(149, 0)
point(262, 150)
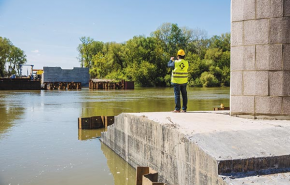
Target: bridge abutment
point(260, 58)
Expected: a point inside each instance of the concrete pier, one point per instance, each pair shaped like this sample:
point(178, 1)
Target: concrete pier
point(204, 147)
point(260, 58)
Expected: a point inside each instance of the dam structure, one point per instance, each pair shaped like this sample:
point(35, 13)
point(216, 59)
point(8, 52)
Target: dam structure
point(249, 144)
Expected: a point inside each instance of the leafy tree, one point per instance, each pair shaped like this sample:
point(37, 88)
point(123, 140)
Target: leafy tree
point(171, 37)
point(11, 55)
point(5, 46)
point(144, 59)
point(99, 66)
point(16, 57)
point(85, 51)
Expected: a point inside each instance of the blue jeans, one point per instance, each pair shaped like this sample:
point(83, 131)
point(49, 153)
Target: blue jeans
point(177, 89)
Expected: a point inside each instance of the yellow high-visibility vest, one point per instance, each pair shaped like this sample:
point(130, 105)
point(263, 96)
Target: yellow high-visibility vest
point(180, 74)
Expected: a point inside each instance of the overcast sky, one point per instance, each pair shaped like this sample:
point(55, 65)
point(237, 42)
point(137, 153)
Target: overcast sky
point(49, 30)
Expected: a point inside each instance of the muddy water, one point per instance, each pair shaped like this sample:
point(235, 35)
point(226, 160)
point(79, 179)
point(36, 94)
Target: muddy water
point(41, 144)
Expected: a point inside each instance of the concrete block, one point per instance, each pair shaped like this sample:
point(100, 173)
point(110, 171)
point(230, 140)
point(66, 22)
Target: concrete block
point(275, 57)
point(286, 7)
point(237, 58)
point(243, 10)
point(286, 83)
point(255, 82)
point(276, 8)
point(263, 9)
point(262, 57)
point(286, 56)
point(249, 9)
point(286, 105)
point(261, 83)
point(242, 104)
point(237, 33)
point(279, 30)
point(237, 83)
point(276, 83)
point(256, 32)
point(269, 57)
point(249, 58)
point(249, 78)
point(268, 105)
point(237, 10)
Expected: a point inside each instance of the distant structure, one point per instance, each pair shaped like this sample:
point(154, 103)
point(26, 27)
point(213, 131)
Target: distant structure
point(56, 74)
point(260, 59)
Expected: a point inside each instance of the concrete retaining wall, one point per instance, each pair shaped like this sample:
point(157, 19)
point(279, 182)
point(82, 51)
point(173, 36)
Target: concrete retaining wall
point(203, 148)
point(56, 74)
point(142, 142)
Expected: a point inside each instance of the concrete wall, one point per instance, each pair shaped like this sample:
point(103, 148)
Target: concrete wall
point(143, 142)
point(56, 74)
point(260, 58)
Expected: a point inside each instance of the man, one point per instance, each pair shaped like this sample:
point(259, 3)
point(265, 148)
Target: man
point(179, 80)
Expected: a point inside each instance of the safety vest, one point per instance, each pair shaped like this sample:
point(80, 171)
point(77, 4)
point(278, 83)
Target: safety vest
point(180, 74)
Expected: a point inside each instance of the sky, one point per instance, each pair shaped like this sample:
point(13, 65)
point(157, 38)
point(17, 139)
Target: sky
point(49, 31)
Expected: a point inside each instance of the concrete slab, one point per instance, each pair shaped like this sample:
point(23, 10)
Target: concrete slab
point(226, 137)
point(203, 147)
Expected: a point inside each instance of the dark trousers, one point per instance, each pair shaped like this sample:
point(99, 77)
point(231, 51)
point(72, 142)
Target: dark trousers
point(177, 89)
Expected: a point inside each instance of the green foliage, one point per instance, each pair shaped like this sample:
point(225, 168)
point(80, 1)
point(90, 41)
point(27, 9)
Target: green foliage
point(208, 80)
point(11, 55)
point(144, 59)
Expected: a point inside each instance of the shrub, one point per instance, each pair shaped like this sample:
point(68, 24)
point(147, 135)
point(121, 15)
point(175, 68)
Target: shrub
point(208, 80)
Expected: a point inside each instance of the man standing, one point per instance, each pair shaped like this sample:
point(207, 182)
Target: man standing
point(179, 80)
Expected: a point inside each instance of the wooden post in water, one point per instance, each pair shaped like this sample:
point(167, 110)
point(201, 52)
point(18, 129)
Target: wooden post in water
point(147, 176)
point(95, 122)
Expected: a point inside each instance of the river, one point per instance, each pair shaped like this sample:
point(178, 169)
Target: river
point(40, 142)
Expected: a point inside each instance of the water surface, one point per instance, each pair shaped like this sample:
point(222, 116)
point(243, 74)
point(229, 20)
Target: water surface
point(40, 142)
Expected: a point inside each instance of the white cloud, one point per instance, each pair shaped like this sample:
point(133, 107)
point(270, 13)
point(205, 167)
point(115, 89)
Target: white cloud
point(35, 51)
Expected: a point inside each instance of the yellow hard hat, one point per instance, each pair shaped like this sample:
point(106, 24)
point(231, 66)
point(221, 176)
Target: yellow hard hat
point(181, 52)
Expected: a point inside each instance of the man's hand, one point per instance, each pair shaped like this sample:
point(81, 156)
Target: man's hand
point(172, 58)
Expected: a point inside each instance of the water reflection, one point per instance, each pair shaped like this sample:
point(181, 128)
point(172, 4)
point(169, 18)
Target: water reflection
point(84, 135)
point(123, 173)
point(9, 110)
point(112, 102)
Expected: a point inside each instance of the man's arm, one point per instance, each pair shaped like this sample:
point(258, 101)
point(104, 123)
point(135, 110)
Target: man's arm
point(171, 63)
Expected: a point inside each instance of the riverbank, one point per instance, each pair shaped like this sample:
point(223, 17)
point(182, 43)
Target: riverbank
point(203, 147)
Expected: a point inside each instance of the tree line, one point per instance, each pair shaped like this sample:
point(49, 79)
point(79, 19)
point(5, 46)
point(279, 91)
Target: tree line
point(11, 56)
point(144, 59)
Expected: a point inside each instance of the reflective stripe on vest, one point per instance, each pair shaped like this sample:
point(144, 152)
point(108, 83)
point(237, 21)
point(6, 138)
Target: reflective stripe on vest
point(180, 74)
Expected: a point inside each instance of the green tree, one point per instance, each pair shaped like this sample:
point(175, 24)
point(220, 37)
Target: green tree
point(99, 66)
point(85, 54)
point(16, 57)
point(171, 37)
point(144, 59)
point(5, 46)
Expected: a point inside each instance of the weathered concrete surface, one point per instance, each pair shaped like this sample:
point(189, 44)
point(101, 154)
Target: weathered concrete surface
point(202, 147)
